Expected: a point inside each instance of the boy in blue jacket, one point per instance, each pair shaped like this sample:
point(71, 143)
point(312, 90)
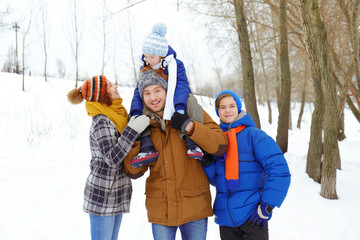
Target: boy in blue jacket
point(251, 178)
point(160, 57)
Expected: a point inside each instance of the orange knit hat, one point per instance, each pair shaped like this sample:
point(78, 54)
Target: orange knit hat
point(93, 89)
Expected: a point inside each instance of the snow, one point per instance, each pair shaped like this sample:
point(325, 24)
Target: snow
point(44, 162)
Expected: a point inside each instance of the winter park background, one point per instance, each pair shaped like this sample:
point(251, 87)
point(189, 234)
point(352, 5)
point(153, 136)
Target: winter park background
point(44, 162)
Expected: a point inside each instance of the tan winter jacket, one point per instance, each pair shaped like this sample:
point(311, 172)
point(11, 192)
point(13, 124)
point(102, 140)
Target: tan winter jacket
point(177, 189)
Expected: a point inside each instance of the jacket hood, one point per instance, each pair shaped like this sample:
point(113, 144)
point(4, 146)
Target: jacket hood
point(171, 51)
point(237, 100)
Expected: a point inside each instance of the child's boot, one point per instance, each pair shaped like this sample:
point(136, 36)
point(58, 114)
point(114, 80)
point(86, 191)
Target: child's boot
point(194, 151)
point(146, 155)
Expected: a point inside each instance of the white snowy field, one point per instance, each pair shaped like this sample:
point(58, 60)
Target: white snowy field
point(44, 162)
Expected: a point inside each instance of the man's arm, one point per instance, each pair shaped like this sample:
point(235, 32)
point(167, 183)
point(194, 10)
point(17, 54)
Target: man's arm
point(133, 173)
point(208, 136)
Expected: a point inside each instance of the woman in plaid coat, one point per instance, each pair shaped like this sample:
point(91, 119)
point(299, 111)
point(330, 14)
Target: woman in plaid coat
point(108, 190)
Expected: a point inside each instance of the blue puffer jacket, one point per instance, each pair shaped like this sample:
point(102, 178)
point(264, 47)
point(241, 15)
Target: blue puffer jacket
point(263, 174)
point(182, 89)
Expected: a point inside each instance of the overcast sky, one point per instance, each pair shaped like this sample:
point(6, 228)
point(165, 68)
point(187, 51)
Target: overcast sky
point(185, 34)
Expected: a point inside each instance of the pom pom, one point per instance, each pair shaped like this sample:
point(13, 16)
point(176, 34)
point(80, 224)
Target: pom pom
point(160, 29)
point(75, 97)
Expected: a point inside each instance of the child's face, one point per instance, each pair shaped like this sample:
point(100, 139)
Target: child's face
point(152, 60)
point(228, 110)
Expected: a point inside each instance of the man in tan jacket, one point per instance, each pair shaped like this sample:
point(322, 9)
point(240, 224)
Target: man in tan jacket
point(177, 189)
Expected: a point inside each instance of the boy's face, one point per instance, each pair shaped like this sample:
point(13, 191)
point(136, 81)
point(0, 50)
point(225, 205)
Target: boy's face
point(154, 98)
point(152, 60)
point(228, 110)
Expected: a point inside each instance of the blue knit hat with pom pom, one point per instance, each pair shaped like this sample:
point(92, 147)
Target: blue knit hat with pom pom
point(155, 43)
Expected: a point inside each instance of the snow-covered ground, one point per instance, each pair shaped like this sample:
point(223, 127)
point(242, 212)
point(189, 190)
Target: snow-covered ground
point(44, 162)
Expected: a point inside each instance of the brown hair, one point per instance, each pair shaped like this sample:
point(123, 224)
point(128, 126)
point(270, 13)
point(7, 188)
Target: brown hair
point(106, 99)
point(219, 98)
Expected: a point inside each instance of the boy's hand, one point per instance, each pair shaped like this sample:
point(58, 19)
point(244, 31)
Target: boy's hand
point(262, 215)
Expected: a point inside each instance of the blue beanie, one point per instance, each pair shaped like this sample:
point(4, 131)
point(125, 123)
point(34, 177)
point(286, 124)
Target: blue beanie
point(237, 100)
point(155, 43)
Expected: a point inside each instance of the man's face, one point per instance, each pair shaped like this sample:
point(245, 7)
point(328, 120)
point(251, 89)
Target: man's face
point(154, 98)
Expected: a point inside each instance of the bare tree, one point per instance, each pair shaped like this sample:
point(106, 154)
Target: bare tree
point(313, 165)
point(16, 27)
point(4, 13)
point(44, 33)
point(261, 51)
point(114, 58)
point(60, 68)
point(328, 174)
point(75, 34)
point(303, 95)
point(129, 38)
point(9, 64)
point(355, 38)
point(275, 21)
point(284, 111)
point(131, 42)
point(246, 62)
point(104, 19)
point(267, 97)
point(25, 33)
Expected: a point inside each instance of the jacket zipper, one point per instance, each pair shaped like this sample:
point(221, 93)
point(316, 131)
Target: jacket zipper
point(232, 219)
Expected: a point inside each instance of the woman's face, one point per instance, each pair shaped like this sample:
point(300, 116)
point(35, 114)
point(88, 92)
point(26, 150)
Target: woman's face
point(112, 90)
point(228, 110)
point(152, 60)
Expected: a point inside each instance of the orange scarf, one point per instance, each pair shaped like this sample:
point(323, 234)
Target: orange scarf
point(232, 157)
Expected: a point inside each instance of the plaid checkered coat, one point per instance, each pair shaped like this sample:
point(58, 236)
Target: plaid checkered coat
point(108, 190)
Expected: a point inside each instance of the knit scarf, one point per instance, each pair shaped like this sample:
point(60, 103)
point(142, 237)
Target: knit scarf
point(232, 158)
point(116, 112)
point(172, 80)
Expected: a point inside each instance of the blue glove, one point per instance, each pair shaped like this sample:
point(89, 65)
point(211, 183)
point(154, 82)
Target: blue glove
point(262, 215)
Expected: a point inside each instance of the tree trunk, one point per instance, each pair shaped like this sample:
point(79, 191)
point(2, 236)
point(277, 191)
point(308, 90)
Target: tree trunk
point(303, 94)
point(353, 108)
point(45, 65)
point(246, 62)
point(328, 173)
point(315, 151)
point(77, 70)
point(259, 49)
point(284, 111)
point(135, 69)
point(104, 47)
point(23, 68)
point(341, 130)
point(275, 21)
point(342, 97)
point(355, 38)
